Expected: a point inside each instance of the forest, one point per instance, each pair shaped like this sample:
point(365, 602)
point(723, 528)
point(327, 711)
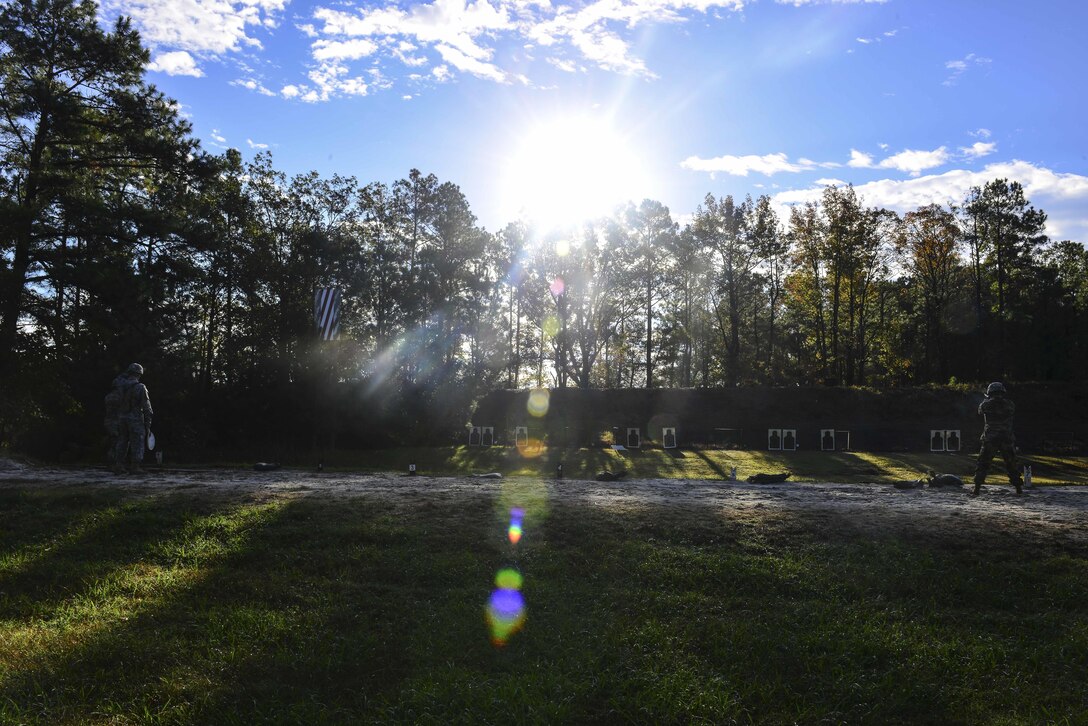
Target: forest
point(122, 239)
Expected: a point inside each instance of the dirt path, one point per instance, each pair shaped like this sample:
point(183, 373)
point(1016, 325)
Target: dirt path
point(1058, 515)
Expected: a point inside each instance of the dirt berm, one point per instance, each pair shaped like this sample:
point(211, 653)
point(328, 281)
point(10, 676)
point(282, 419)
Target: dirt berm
point(1048, 416)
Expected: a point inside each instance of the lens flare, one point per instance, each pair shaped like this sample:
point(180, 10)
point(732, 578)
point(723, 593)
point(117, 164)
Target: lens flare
point(505, 614)
point(551, 326)
point(562, 247)
point(514, 531)
point(558, 286)
point(508, 579)
point(538, 402)
point(531, 448)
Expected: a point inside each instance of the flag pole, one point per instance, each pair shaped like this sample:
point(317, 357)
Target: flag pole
point(327, 303)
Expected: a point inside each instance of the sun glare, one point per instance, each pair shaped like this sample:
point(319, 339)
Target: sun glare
point(571, 169)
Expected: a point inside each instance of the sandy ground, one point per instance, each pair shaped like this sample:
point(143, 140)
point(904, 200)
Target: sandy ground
point(1044, 515)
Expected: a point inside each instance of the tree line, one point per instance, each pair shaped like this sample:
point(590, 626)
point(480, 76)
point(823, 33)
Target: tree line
point(122, 239)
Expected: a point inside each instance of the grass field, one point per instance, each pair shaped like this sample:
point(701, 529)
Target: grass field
point(132, 607)
point(657, 463)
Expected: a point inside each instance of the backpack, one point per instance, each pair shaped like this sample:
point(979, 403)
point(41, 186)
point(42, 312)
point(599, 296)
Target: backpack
point(114, 400)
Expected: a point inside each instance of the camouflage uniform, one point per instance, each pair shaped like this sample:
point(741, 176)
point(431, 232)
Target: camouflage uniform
point(112, 418)
point(135, 420)
point(997, 436)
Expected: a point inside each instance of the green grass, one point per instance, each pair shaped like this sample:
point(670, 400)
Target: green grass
point(843, 467)
point(197, 608)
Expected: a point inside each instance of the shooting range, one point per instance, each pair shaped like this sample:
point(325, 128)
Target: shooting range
point(781, 439)
point(944, 440)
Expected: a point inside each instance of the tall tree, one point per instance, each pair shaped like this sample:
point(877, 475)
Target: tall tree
point(720, 225)
point(647, 233)
point(927, 244)
point(1009, 229)
point(75, 117)
point(771, 248)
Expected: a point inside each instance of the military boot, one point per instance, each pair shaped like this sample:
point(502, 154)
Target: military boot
point(1019, 487)
point(978, 487)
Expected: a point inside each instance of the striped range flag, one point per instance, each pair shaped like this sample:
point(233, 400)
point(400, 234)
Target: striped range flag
point(327, 312)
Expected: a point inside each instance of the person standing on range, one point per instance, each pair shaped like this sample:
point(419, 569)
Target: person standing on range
point(135, 421)
point(997, 410)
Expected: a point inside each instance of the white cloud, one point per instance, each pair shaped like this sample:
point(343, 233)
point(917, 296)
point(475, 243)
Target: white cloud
point(175, 63)
point(959, 67)
point(978, 149)
point(212, 27)
point(1064, 197)
point(216, 136)
point(326, 81)
point(915, 162)
point(980, 133)
point(911, 161)
point(810, 164)
point(860, 160)
point(254, 145)
point(877, 38)
point(253, 85)
point(462, 62)
point(740, 165)
point(462, 33)
point(405, 53)
point(830, 182)
point(567, 66)
point(332, 79)
point(436, 37)
point(329, 50)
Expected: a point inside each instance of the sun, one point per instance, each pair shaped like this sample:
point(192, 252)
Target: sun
point(571, 169)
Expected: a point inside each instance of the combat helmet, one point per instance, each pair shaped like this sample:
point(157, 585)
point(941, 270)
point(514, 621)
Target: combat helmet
point(135, 369)
point(997, 388)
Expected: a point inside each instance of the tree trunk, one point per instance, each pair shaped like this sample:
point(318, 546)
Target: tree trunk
point(649, 334)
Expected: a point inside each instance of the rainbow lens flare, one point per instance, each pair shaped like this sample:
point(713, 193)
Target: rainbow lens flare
point(514, 531)
point(506, 608)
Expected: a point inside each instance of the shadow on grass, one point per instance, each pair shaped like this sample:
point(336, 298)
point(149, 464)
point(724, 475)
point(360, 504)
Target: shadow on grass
point(31, 520)
point(714, 465)
point(97, 544)
point(357, 610)
point(298, 615)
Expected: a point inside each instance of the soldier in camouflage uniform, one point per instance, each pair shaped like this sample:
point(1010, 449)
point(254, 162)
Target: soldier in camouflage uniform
point(135, 420)
point(997, 436)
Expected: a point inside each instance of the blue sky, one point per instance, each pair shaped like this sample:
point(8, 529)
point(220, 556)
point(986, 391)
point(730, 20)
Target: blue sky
point(912, 101)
